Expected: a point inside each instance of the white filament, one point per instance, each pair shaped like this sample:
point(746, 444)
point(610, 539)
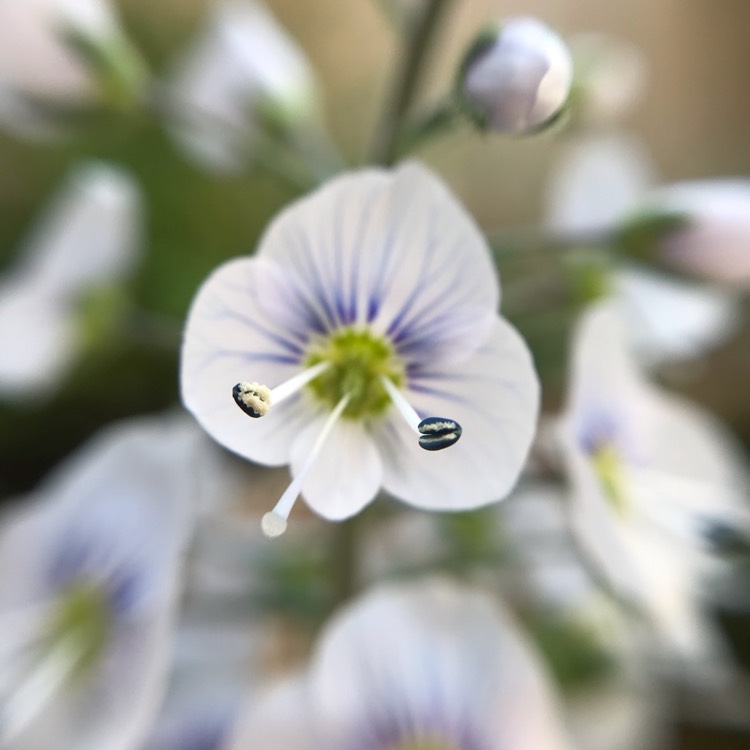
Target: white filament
point(274, 522)
point(297, 382)
point(405, 409)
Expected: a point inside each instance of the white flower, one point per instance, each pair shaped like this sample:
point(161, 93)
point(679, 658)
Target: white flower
point(656, 483)
point(242, 62)
point(89, 578)
point(714, 242)
point(88, 237)
point(518, 78)
point(611, 705)
point(597, 184)
point(423, 665)
point(369, 307)
point(43, 65)
point(609, 77)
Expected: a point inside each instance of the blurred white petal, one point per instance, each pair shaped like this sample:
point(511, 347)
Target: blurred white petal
point(596, 181)
point(492, 396)
point(715, 243)
point(672, 320)
point(241, 61)
point(90, 233)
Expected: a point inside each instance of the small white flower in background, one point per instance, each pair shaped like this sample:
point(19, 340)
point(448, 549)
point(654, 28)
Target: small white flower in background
point(58, 55)
point(611, 701)
point(517, 78)
point(410, 667)
point(597, 183)
point(242, 67)
point(88, 237)
point(714, 242)
point(657, 485)
point(609, 76)
point(370, 312)
point(90, 574)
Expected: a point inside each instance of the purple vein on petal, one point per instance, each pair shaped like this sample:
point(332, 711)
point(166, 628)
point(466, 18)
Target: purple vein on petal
point(309, 266)
point(229, 314)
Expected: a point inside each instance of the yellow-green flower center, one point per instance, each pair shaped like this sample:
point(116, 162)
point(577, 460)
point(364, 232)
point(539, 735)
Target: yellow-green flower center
point(358, 361)
point(609, 470)
point(82, 619)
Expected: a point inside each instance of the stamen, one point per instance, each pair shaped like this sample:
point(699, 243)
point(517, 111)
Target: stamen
point(438, 433)
point(274, 522)
point(255, 399)
point(435, 433)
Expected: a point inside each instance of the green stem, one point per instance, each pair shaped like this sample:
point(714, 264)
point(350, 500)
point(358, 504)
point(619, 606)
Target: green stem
point(344, 559)
point(407, 79)
point(394, 12)
point(520, 242)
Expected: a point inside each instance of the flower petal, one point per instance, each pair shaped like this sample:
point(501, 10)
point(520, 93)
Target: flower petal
point(670, 320)
point(395, 252)
point(37, 340)
point(230, 337)
point(494, 396)
point(89, 234)
point(430, 661)
point(280, 720)
point(596, 182)
point(347, 473)
point(241, 61)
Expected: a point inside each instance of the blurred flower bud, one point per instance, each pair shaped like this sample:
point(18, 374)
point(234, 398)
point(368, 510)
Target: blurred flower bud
point(242, 75)
point(57, 56)
point(701, 228)
point(608, 78)
point(516, 79)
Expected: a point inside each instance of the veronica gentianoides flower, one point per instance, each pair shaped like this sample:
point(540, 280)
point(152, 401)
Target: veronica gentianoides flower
point(243, 67)
point(85, 241)
point(89, 580)
point(657, 485)
point(423, 666)
point(364, 331)
point(599, 182)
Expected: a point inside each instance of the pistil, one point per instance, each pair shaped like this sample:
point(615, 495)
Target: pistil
point(274, 522)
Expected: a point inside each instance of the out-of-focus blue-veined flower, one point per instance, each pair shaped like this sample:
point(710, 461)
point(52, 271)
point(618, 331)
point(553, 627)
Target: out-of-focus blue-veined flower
point(658, 486)
point(87, 238)
point(597, 184)
point(608, 78)
point(60, 55)
point(422, 665)
point(89, 578)
point(516, 78)
point(712, 239)
point(610, 699)
point(241, 69)
point(370, 310)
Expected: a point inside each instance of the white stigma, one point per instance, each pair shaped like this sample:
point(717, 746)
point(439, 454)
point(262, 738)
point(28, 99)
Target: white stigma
point(274, 523)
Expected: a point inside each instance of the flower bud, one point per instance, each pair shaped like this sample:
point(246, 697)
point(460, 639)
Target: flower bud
point(516, 79)
point(704, 229)
point(59, 56)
